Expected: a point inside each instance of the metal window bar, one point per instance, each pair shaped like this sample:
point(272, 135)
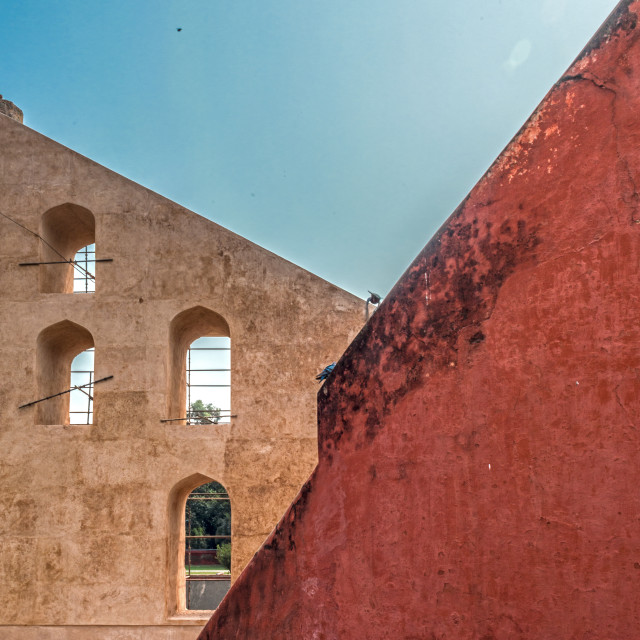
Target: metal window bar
point(62, 393)
point(194, 416)
point(84, 278)
point(223, 414)
point(87, 389)
point(189, 575)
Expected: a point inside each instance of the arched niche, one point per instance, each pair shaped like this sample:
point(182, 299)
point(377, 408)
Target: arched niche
point(65, 230)
point(56, 348)
point(176, 587)
point(185, 328)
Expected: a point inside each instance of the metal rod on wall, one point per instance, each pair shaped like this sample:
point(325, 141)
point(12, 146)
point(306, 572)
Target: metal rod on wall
point(55, 395)
point(76, 262)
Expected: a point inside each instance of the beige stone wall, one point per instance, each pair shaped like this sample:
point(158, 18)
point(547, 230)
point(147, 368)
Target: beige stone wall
point(101, 632)
point(90, 515)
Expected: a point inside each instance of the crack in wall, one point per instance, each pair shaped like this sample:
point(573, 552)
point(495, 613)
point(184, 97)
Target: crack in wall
point(632, 200)
point(624, 409)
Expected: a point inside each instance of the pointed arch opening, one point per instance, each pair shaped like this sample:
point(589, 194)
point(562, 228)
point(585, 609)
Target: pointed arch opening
point(56, 349)
point(199, 367)
point(67, 250)
point(199, 544)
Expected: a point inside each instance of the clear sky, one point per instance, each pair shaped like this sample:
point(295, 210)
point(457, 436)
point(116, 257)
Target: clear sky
point(339, 134)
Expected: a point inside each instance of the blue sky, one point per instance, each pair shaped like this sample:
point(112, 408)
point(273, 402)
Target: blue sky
point(339, 134)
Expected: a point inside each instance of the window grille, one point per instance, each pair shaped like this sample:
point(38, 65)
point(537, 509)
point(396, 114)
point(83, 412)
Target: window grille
point(209, 381)
point(81, 399)
point(207, 525)
point(84, 275)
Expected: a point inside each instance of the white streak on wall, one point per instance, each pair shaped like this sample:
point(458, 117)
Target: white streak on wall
point(427, 295)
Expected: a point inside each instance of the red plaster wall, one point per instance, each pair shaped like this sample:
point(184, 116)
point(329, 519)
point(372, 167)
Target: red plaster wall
point(479, 471)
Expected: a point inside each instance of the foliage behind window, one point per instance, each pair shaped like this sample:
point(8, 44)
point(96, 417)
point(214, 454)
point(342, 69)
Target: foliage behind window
point(209, 517)
point(223, 552)
point(201, 413)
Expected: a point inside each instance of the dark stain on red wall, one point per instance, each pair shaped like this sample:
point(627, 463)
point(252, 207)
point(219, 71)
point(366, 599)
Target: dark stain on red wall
point(479, 445)
point(451, 286)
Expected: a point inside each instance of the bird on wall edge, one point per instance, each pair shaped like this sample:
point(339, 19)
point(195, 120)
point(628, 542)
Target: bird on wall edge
point(373, 299)
point(326, 372)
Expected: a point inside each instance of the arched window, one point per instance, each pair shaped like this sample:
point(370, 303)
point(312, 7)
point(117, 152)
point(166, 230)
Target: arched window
point(57, 347)
point(199, 543)
point(208, 374)
point(199, 368)
point(81, 396)
point(207, 546)
point(66, 230)
point(84, 275)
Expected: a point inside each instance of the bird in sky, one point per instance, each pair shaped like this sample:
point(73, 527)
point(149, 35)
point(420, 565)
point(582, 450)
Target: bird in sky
point(324, 374)
point(180, 29)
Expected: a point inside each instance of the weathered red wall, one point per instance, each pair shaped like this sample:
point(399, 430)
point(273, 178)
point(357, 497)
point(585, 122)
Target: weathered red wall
point(479, 471)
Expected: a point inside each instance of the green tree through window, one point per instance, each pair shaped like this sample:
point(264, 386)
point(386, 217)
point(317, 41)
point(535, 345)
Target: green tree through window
point(208, 545)
point(209, 517)
point(201, 413)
